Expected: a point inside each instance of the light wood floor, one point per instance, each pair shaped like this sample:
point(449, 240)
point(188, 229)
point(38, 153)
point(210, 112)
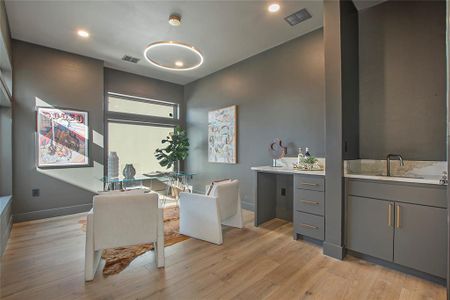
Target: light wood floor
point(44, 260)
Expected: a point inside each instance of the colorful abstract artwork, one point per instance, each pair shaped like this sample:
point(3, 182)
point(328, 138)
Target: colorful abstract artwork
point(222, 135)
point(63, 138)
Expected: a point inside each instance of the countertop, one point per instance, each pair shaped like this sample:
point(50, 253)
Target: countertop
point(395, 179)
point(285, 170)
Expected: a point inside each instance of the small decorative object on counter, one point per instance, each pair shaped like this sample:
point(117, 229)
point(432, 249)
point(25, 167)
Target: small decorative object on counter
point(307, 154)
point(307, 162)
point(129, 171)
point(277, 150)
point(300, 155)
point(113, 165)
point(444, 178)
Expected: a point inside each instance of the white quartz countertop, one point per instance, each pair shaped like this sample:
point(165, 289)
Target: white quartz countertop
point(395, 179)
point(286, 170)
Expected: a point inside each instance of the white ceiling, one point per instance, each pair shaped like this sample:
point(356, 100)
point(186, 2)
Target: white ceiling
point(224, 31)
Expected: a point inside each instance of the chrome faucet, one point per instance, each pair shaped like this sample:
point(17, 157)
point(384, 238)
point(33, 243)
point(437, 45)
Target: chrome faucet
point(388, 162)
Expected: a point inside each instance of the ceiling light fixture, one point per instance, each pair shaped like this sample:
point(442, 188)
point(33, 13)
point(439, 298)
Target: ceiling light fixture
point(179, 45)
point(179, 63)
point(175, 20)
point(273, 8)
point(83, 33)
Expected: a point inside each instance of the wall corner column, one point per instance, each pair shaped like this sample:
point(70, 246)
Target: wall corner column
point(341, 102)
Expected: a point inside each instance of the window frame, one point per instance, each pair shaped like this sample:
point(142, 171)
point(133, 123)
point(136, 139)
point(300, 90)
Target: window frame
point(131, 116)
point(135, 119)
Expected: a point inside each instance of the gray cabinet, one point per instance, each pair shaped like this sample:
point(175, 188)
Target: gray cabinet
point(421, 238)
point(370, 227)
point(309, 225)
point(309, 182)
point(312, 202)
point(309, 206)
point(410, 231)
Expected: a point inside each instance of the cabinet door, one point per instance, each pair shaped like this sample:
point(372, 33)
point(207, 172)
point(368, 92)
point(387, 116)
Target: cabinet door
point(421, 238)
point(370, 227)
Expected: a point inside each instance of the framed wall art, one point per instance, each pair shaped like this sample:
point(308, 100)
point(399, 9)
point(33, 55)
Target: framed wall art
point(62, 138)
point(222, 135)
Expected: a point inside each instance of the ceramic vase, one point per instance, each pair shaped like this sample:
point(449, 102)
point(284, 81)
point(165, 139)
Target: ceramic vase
point(129, 171)
point(113, 165)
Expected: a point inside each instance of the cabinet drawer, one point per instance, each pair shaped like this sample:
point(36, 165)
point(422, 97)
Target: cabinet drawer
point(309, 225)
point(315, 183)
point(309, 201)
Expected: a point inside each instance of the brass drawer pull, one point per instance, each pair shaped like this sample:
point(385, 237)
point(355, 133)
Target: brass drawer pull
point(308, 226)
point(310, 202)
point(397, 221)
point(309, 183)
point(390, 215)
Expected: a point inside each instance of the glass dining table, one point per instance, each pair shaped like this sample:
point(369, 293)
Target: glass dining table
point(167, 184)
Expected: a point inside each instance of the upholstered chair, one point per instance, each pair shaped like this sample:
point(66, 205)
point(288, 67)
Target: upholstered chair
point(202, 216)
point(121, 219)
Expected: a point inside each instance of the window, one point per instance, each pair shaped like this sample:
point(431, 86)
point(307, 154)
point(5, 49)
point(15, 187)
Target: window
point(136, 144)
point(135, 128)
point(143, 107)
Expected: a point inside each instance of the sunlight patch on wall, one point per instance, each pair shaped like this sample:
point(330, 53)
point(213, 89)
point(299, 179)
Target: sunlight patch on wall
point(40, 102)
point(87, 178)
point(97, 138)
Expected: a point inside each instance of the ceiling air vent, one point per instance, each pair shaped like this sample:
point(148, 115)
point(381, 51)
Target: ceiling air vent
point(130, 59)
point(298, 17)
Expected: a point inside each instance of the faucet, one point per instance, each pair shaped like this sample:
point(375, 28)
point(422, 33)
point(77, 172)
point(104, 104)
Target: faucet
point(388, 162)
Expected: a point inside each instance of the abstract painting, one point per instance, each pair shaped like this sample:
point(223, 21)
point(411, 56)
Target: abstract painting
point(63, 138)
point(222, 134)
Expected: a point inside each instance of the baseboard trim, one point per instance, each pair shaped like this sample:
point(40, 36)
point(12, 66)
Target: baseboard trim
point(248, 206)
point(333, 250)
point(49, 213)
point(394, 266)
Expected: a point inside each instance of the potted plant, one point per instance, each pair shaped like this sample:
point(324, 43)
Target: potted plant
point(176, 150)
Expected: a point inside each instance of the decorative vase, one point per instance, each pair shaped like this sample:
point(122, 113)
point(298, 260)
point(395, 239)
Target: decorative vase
point(113, 165)
point(129, 171)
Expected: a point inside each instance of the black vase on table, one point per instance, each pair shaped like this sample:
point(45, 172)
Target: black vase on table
point(129, 171)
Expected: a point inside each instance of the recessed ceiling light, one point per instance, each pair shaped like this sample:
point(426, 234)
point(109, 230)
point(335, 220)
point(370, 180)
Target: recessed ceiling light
point(175, 20)
point(83, 33)
point(179, 65)
point(273, 8)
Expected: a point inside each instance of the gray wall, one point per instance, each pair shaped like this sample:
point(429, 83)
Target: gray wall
point(5, 113)
point(44, 76)
point(5, 151)
point(279, 93)
point(402, 80)
point(49, 77)
point(135, 85)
